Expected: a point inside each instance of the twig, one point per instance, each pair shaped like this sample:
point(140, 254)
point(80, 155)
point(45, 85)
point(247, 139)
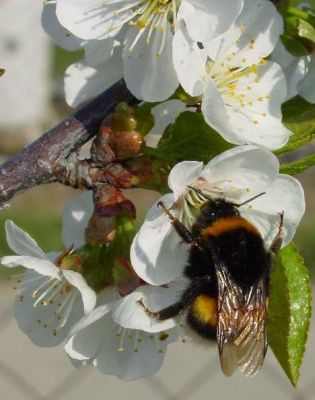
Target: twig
point(38, 163)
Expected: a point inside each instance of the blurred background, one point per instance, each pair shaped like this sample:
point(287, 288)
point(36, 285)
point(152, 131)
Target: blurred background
point(32, 101)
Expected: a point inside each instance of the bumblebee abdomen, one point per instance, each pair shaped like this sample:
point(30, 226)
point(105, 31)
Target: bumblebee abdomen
point(203, 315)
point(240, 247)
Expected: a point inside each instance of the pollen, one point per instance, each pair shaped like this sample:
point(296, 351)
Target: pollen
point(132, 339)
point(148, 16)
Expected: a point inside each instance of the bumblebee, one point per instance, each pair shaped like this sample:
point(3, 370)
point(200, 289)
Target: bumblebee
point(229, 273)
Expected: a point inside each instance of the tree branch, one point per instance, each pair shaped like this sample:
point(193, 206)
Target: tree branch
point(35, 164)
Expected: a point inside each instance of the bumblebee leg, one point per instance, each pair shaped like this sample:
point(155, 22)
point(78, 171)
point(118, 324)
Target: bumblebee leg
point(168, 312)
point(180, 228)
point(186, 301)
point(277, 241)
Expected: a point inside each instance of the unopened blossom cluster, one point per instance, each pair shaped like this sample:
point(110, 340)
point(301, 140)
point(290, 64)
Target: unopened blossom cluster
point(225, 55)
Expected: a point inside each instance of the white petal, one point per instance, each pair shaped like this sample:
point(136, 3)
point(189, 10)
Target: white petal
point(281, 56)
point(88, 295)
point(89, 19)
point(148, 68)
point(142, 355)
point(189, 62)
point(157, 253)
point(182, 175)
point(86, 336)
point(242, 172)
point(253, 36)
point(306, 87)
point(294, 68)
point(61, 36)
point(213, 17)
point(40, 323)
point(83, 82)
point(215, 112)
point(294, 74)
point(75, 218)
point(130, 314)
point(286, 194)
point(98, 51)
point(96, 338)
point(43, 267)
point(164, 114)
point(21, 242)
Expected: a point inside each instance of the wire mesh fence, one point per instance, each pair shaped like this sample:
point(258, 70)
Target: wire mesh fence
point(189, 372)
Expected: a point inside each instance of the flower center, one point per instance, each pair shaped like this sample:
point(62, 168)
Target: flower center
point(146, 15)
point(238, 81)
point(53, 298)
point(152, 10)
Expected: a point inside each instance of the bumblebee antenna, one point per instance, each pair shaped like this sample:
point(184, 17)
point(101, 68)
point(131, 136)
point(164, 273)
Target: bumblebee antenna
point(200, 192)
point(249, 200)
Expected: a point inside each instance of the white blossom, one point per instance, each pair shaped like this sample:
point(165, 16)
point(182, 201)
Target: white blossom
point(51, 299)
point(120, 338)
point(145, 29)
point(299, 72)
point(158, 255)
point(241, 92)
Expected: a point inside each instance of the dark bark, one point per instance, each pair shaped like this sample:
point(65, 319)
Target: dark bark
point(41, 161)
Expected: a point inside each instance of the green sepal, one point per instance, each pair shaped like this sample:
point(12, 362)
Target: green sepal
point(98, 262)
point(299, 166)
point(189, 138)
point(299, 118)
point(289, 310)
point(183, 96)
point(144, 117)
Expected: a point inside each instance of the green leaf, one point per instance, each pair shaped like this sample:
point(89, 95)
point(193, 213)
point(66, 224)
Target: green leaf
point(298, 117)
point(294, 46)
point(306, 30)
point(189, 138)
point(289, 310)
point(299, 166)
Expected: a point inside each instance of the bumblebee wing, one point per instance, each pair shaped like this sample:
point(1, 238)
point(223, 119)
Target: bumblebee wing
point(241, 329)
